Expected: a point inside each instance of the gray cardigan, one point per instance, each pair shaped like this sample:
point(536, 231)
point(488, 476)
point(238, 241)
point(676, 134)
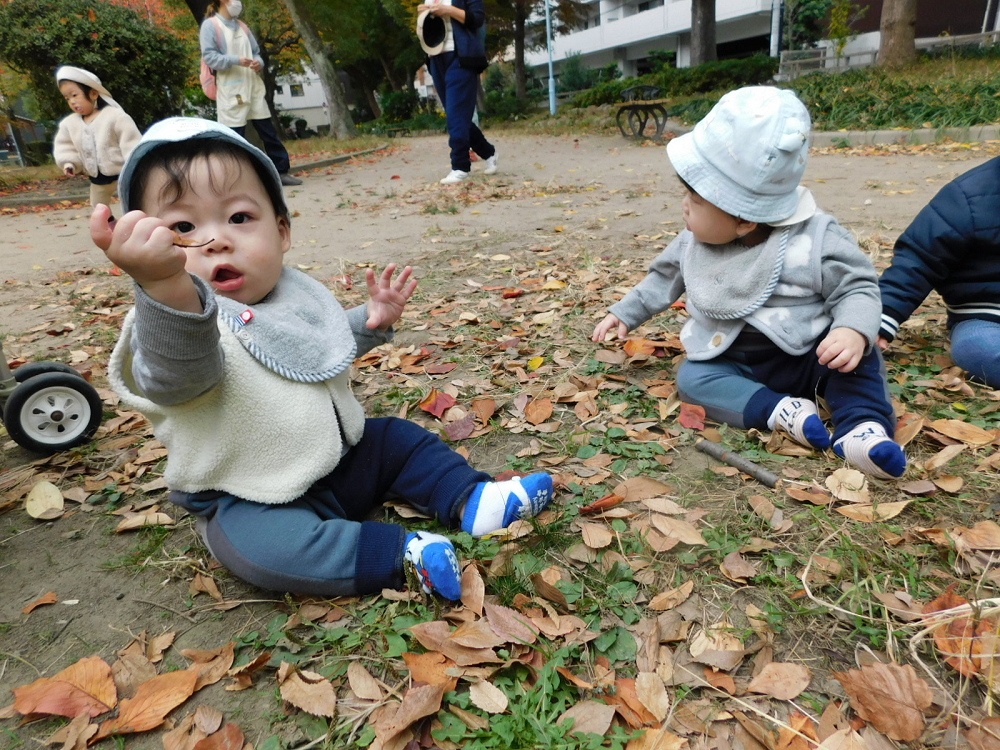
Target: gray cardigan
point(825, 281)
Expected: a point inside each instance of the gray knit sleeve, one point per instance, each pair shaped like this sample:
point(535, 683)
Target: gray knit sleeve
point(850, 285)
point(662, 287)
point(176, 355)
point(366, 338)
point(212, 52)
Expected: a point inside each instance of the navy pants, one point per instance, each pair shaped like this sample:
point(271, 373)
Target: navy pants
point(456, 86)
point(743, 388)
point(320, 543)
point(273, 146)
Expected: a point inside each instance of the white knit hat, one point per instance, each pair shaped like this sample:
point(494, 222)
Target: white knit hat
point(748, 154)
point(79, 75)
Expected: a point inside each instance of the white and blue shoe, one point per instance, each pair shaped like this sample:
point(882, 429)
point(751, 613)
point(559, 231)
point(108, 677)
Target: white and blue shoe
point(871, 450)
point(434, 558)
point(496, 505)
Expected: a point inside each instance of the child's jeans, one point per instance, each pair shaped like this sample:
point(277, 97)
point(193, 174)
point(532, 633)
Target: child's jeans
point(975, 347)
point(320, 543)
point(743, 388)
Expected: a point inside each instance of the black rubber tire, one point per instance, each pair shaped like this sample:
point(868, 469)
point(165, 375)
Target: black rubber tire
point(52, 412)
point(34, 369)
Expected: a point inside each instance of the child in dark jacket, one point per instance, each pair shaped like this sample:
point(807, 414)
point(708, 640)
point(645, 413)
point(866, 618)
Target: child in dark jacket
point(953, 246)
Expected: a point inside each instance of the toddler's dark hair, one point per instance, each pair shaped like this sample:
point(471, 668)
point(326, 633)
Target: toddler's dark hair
point(101, 104)
point(176, 159)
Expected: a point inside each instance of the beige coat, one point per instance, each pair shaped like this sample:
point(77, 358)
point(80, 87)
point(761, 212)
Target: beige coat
point(102, 145)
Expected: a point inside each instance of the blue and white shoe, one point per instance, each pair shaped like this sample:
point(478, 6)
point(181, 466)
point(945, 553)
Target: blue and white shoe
point(434, 558)
point(496, 505)
point(870, 449)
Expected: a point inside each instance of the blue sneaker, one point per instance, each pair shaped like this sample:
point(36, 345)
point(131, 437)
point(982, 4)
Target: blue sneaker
point(434, 558)
point(496, 505)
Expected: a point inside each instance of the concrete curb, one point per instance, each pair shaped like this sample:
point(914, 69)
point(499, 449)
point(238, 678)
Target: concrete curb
point(30, 199)
point(916, 136)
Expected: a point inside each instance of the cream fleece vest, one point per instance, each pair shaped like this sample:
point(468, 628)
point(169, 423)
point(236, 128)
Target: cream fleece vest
point(256, 435)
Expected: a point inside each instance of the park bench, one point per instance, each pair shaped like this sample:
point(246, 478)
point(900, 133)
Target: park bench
point(639, 103)
point(397, 132)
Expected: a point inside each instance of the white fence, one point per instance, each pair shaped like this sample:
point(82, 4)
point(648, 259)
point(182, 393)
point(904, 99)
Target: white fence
point(796, 62)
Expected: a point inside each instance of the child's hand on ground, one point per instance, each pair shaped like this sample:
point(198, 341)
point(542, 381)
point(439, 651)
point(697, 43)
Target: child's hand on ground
point(143, 247)
point(842, 349)
point(883, 343)
point(388, 297)
point(606, 325)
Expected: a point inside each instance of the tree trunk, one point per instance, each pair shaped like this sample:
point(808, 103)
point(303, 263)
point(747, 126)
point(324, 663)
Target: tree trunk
point(520, 79)
point(703, 32)
point(270, 83)
point(898, 30)
point(341, 126)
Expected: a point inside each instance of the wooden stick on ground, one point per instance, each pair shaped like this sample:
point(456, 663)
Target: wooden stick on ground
point(745, 465)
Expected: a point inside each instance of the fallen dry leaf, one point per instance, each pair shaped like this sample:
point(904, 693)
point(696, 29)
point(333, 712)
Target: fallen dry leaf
point(47, 598)
point(230, 737)
point(652, 694)
point(717, 647)
point(675, 528)
point(75, 735)
point(538, 410)
point(589, 716)
point(942, 457)
point(432, 668)
point(362, 683)
point(657, 739)
point(473, 589)
point(872, 513)
point(890, 697)
point(737, 568)
point(781, 680)
point(672, 598)
point(311, 692)
point(153, 701)
point(83, 687)
point(44, 502)
point(849, 485)
point(488, 697)
point(596, 536)
point(960, 430)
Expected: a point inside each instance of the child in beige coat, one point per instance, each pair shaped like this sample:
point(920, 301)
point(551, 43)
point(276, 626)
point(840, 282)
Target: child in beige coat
point(97, 138)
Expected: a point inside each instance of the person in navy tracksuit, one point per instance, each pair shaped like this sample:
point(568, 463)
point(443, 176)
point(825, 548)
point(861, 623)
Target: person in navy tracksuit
point(953, 246)
point(455, 70)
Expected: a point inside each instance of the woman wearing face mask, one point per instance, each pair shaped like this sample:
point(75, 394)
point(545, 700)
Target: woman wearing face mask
point(229, 48)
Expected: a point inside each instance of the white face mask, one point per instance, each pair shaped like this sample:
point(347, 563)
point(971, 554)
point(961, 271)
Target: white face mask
point(235, 7)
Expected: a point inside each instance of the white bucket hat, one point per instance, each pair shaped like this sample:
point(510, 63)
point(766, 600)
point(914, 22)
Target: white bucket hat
point(431, 32)
point(748, 154)
point(178, 129)
point(79, 75)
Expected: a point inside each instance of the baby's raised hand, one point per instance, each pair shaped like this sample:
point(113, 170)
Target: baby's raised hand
point(388, 297)
point(609, 322)
point(842, 349)
point(143, 247)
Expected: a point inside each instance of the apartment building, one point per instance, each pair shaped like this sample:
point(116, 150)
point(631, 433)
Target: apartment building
point(626, 31)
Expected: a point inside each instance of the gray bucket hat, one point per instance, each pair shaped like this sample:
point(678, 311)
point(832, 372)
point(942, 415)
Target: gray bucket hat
point(748, 154)
point(179, 129)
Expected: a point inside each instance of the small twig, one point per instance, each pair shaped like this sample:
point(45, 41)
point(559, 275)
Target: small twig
point(23, 661)
point(214, 604)
point(181, 242)
point(745, 465)
point(169, 609)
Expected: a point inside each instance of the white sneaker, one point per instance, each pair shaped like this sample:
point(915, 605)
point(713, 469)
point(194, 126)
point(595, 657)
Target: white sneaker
point(491, 164)
point(455, 176)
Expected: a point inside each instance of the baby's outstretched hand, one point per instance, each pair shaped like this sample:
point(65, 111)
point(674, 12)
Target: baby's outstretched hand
point(609, 322)
point(388, 297)
point(842, 349)
point(143, 247)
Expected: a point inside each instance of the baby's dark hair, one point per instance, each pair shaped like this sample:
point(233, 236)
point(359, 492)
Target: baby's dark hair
point(176, 159)
point(101, 104)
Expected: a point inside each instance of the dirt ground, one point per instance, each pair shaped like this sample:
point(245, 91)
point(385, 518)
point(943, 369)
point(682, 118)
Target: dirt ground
point(601, 193)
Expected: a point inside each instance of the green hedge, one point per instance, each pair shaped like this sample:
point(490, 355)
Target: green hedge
point(871, 98)
point(677, 82)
